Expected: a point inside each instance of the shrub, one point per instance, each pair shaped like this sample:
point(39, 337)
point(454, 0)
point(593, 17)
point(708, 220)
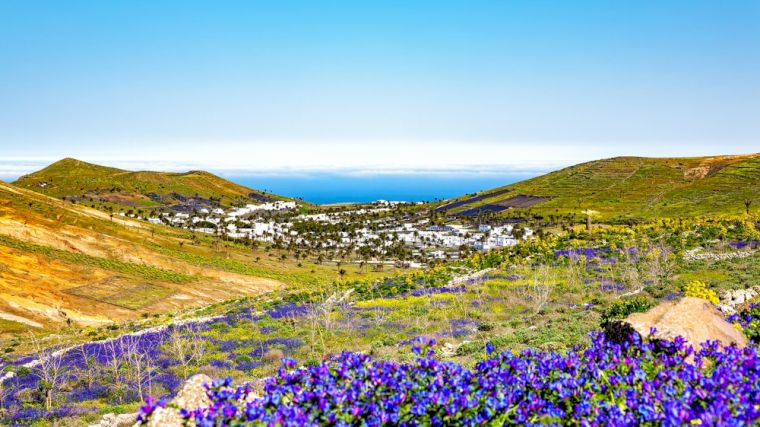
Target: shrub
point(699, 290)
point(621, 309)
point(749, 322)
point(273, 355)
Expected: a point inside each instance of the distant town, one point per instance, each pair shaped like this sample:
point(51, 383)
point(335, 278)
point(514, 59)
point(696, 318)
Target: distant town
point(378, 232)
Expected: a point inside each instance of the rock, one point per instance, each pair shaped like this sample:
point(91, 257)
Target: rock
point(740, 296)
point(700, 254)
point(191, 396)
point(694, 319)
point(448, 350)
point(113, 420)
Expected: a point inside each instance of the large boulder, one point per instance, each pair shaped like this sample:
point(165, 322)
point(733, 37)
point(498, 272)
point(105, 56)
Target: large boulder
point(191, 396)
point(694, 319)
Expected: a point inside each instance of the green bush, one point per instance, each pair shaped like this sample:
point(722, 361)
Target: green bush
point(748, 320)
point(621, 309)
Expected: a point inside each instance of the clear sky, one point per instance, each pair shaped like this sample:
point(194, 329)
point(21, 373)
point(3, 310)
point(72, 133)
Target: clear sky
point(405, 85)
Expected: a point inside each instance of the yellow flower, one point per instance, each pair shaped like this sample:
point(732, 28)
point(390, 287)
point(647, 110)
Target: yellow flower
point(699, 290)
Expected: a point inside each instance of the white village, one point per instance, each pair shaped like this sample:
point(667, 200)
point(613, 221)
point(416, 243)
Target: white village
point(376, 231)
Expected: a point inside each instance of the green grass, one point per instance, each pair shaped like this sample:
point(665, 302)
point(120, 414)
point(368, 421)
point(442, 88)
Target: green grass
point(117, 187)
point(643, 188)
point(143, 271)
point(231, 265)
point(503, 311)
point(11, 327)
point(132, 297)
point(241, 259)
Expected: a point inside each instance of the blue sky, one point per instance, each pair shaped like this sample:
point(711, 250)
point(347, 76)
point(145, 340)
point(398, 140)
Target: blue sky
point(376, 86)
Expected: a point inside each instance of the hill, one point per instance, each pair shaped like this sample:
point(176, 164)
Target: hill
point(68, 264)
point(105, 187)
point(628, 188)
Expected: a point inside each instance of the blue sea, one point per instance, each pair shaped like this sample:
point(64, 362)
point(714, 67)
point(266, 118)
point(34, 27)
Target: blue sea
point(323, 188)
point(326, 187)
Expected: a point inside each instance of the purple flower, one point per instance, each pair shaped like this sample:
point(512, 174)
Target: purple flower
point(489, 347)
point(608, 383)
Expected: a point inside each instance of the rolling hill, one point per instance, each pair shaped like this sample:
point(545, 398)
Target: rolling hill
point(104, 186)
point(65, 263)
point(628, 188)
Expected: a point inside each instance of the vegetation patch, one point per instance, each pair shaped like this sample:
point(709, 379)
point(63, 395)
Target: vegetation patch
point(133, 297)
point(147, 272)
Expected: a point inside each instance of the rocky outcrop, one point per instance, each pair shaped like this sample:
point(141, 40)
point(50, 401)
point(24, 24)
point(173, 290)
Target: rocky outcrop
point(191, 396)
point(113, 420)
point(700, 254)
point(730, 300)
point(740, 296)
point(694, 319)
point(465, 278)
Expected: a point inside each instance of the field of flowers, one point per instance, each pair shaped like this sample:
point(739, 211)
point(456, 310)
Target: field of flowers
point(535, 307)
point(606, 384)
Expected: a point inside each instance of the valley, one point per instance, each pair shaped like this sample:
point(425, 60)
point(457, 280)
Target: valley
point(182, 289)
point(379, 213)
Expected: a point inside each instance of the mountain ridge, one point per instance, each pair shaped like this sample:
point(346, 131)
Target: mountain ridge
point(626, 187)
point(109, 187)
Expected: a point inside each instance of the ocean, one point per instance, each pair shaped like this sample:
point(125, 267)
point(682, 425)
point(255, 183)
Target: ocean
point(323, 188)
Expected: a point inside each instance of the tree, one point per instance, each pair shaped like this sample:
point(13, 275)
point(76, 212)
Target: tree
point(49, 370)
point(4, 394)
point(89, 369)
point(186, 346)
point(540, 289)
point(113, 366)
point(589, 214)
point(747, 205)
point(140, 368)
point(319, 314)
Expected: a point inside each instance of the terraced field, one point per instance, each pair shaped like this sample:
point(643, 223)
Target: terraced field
point(632, 187)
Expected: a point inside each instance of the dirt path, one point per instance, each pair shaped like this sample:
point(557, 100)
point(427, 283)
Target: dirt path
point(19, 319)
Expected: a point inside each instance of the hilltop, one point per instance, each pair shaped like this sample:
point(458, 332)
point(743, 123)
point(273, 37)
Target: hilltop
point(628, 188)
point(104, 186)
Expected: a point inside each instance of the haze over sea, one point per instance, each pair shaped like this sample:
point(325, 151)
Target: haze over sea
point(322, 187)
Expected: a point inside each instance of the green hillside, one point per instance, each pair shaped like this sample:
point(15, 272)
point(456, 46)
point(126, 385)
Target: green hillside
point(87, 182)
point(628, 187)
